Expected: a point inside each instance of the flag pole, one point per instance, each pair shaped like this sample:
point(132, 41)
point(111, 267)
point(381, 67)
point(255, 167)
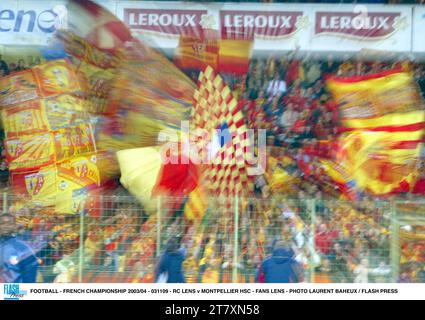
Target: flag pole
point(158, 226)
point(235, 240)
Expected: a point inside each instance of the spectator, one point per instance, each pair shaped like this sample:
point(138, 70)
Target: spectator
point(12, 67)
point(171, 263)
point(21, 65)
point(276, 87)
point(64, 269)
point(281, 267)
point(289, 116)
point(323, 240)
point(420, 79)
point(293, 71)
point(318, 89)
point(272, 110)
point(420, 276)
point(313, 72)
point(323, 273)
point(362, 272)
point(329, 67)
point(382, 273)
point(339, 264)
point(4, 69)
point(405, 278)
point(346, 67)
point(19, 263)
point(30, 62)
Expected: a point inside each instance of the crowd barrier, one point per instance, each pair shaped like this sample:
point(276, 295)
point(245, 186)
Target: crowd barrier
point(333, 241)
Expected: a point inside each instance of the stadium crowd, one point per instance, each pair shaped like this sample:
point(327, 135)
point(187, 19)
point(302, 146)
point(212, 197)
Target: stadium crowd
point(19, 65)
point(341, 242)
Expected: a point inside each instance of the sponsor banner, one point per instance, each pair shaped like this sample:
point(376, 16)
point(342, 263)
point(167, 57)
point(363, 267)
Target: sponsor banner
point(30, 22)
point(418, 41)
point(271, 26)
point(356, 27)
point(185, 291)
point(252, 24)
point(275, 26)
point(161, 24)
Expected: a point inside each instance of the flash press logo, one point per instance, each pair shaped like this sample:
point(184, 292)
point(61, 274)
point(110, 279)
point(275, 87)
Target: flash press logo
point(221, 146)
point(13, 292)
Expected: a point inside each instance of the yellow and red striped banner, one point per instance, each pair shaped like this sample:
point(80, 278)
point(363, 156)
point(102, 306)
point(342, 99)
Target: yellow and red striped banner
point(384, 122)
point(234, 56)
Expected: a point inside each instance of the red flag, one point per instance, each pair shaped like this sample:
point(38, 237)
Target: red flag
point(177, 179)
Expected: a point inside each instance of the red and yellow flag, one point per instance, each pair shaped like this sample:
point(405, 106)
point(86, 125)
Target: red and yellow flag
point(196, 53)
point(384, 121)
point(196, 205)
point(234, 56)
point(225, 56)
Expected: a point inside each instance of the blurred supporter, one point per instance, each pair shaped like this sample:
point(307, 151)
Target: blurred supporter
point(30, 62)
point(289, 116)
point(21, 66)
point(405, 277)
point(12, 67)
point(420, 276)
point(382, 273)
point(64, 269)
point(287, 96)
point(281, 267)
point(170, 263)
point(4, 172)
point(362, 272)
point(4, 69)
point(339, 260)
point(276, 87)
point(18, 262)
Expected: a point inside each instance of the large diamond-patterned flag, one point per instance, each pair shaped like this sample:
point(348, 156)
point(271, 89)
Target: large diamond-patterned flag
point(230, 150)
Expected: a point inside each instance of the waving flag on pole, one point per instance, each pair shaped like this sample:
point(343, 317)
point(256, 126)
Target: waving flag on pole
point(196, 54)
point(197, 204)
point(384, 120)
point(217, 111)
point(234, 56)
